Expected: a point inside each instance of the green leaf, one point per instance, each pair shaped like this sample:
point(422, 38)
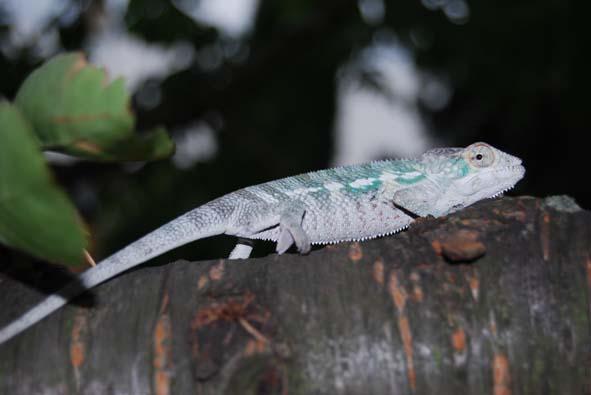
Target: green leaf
point(74, 109)
point(155, 144)
point(35, 215)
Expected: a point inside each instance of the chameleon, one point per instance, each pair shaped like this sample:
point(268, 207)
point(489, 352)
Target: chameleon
point(348, 203)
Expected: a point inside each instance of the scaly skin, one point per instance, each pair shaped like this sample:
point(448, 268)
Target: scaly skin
point(327, 206)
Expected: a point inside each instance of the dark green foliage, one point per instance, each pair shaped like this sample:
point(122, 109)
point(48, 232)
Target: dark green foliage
point(65, 105)
point(35, 215)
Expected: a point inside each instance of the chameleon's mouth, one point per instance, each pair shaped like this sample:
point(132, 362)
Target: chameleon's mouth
point(515, 173)
point(500, 194)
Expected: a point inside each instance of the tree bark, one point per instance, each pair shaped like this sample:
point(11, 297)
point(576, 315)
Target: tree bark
point(494, 299)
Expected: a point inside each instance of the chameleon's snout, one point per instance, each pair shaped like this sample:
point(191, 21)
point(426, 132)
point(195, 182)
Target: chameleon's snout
point(510, 160)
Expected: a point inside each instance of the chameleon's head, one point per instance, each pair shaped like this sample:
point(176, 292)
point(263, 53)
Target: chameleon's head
point(470, 174)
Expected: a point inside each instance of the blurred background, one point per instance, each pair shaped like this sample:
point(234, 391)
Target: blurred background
point(253, 90)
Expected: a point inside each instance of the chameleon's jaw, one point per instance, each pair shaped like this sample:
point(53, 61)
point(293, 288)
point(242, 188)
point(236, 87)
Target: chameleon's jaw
point(507, 178)
point(500, 194)
point(487, 184)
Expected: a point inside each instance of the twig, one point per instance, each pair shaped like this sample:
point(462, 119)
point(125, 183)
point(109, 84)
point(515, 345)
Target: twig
point(89, 258)
point(252, 330)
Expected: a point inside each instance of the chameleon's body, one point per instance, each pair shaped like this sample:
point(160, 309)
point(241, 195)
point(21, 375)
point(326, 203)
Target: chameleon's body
point(328, 206)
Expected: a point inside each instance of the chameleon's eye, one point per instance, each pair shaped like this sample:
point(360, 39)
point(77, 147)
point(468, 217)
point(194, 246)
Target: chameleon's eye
point(480, 155)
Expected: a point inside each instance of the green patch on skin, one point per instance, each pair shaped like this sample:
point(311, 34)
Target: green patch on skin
point(375, 185)
point(409, 181)
point(364, 178)
point(404, 167)
point(461, 168)
point(406, 173)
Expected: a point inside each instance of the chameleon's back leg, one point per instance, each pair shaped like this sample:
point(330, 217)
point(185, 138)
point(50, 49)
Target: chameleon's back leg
point(291, 230)
point(286, 217)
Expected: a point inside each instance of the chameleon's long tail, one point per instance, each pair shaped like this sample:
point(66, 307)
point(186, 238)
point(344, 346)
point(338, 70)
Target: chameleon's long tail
point(207, 220)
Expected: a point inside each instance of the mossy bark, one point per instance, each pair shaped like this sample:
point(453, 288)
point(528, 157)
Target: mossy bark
point(494, 299)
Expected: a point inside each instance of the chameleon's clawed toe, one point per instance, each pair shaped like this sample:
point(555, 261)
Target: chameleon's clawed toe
point(284, 241)
point(303, 243)
point(296, 236)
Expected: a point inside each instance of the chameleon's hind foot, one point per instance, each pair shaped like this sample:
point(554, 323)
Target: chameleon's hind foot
point(291, 232)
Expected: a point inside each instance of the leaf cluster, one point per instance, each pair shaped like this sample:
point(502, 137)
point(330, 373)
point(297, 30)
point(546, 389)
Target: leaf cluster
point(68, 106)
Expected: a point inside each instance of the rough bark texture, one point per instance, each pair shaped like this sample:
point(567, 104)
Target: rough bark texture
point(492, 300)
